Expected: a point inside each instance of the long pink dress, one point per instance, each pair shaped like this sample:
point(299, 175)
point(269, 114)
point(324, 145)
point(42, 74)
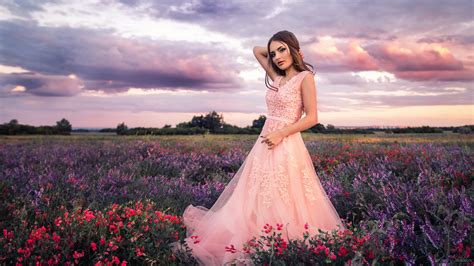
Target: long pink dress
point(277, 185)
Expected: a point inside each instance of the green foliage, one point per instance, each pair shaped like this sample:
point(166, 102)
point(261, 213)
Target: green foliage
point(121, 129)
point(259, 122)
point(132, 233)
point(62, 127)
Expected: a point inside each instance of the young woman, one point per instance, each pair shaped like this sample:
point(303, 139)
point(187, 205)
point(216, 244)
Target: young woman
point(277, 182)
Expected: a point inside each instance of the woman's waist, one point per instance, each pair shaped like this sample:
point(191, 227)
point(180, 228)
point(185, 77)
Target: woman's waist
point(282, 118)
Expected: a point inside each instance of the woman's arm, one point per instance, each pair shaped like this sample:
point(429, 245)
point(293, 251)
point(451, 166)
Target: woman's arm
point(308, 91)
point(261, 54)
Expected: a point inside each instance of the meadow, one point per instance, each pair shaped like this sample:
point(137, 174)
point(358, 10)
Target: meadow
point(103, 199)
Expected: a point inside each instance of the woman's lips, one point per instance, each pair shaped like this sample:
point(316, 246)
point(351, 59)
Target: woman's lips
point(281, 63)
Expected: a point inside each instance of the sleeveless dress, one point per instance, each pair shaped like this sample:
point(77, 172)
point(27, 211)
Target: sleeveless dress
point(277, 185)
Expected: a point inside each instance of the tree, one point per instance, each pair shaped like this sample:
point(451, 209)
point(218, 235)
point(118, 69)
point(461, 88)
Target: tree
point(318, 128)
point(167, 126)
point(330, 127)
point(63, 127)
point(121, 129)
point(198, 121)
point(259, 122)
point(13, 122)
point(213, 121)
point(184, 125)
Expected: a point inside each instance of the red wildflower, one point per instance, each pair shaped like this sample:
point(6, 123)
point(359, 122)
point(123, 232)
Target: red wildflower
point(139, 251)
point(246, 249)
point(342, 252)
point(195, 239)
point(56, 238)
point(129, 212)
point(230, 248)
point(268, 228)
point(369, 255)
point(93, 246)
point(78, 255)
point(88, 215)
point(279, 226)
point(115, 260)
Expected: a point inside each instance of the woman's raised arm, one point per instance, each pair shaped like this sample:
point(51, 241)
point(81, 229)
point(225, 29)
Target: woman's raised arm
point(261, 54)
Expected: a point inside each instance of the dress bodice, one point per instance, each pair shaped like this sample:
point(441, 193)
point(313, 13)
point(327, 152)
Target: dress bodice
point(287, 102)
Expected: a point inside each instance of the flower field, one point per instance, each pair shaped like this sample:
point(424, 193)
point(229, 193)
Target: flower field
point(109, 200)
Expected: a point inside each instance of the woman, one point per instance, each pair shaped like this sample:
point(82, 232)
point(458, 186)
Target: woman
point(277, 182)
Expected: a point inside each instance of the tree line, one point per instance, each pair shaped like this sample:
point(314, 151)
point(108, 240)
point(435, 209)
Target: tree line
point(211, 123)
point(62, 127)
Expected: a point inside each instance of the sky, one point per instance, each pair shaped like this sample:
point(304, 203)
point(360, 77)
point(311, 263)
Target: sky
point(152, 63)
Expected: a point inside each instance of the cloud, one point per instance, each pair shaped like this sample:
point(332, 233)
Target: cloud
point(111, 63)
point(40, 85)
point(433, 62)
point(451, 38)
point(426, 62)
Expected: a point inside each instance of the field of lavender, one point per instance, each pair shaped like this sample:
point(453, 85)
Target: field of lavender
point(109, 200)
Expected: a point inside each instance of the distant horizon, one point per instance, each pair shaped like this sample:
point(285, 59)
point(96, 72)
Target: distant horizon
point(151, 63)
point(174, 125)
point(374, 126)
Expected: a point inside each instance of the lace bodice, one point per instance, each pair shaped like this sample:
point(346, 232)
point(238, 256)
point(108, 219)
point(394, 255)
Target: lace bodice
point(287, 102)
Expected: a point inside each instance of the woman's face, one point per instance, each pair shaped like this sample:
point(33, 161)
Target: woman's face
point(280, 54)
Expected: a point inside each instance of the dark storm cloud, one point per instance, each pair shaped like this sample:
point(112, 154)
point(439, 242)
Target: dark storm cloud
point(40, 85)
point(107, 62)
point(363, 19)
point(452, 38)
point(23, 8)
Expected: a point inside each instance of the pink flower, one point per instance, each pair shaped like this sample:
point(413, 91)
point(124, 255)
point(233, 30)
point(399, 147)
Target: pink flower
point(93, 246)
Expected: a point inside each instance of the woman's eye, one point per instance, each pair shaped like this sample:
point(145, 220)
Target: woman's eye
point(282, 50)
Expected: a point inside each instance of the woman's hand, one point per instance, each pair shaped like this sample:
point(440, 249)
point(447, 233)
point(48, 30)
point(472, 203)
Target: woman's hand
point(273, 139)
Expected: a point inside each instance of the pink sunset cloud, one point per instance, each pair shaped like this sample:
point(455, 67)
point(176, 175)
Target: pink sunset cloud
point(433, 62)
point(418, 64)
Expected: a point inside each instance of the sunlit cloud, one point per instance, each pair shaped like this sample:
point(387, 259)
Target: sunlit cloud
point(375, 76)
point(19, 89)
point(11, 69)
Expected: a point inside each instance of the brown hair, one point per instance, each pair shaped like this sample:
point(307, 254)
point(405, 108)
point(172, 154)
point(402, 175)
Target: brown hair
point(290, 39)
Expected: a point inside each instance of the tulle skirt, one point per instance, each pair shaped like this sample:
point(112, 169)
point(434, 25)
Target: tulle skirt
point(277, 185)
